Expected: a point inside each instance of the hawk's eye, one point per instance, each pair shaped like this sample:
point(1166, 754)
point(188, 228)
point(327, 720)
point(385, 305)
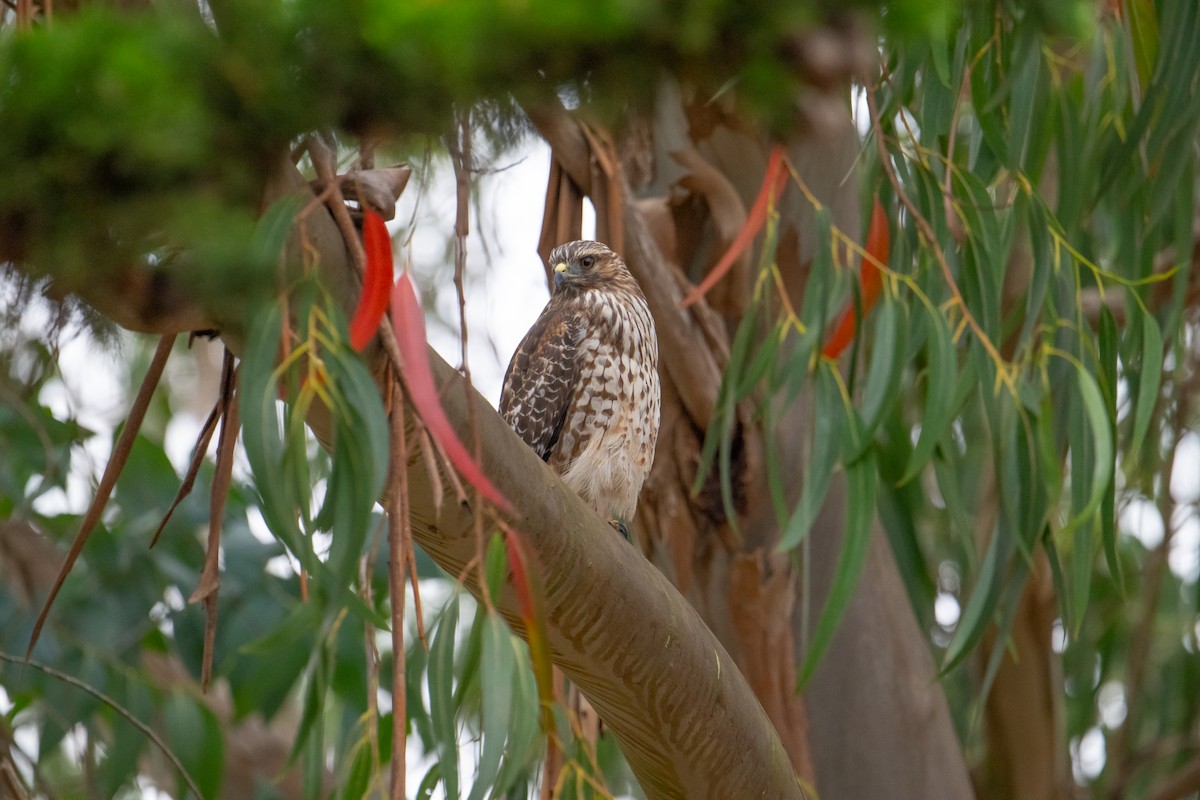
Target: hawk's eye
point(587, 261)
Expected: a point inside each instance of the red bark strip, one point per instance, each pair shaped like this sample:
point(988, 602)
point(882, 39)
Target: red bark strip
point(409, 322)
point(377, 281)
point(774, 182)
point(870, 282)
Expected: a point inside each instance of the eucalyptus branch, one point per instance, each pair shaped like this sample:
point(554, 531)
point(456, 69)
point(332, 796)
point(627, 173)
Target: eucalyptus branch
point(115, 706)
point(927, 233)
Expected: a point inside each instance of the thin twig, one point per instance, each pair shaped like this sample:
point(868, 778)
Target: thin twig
point(115, 706)
point(927, 233)
point(210, 579)
point(462, 226)
point(198, 454)
point(399, 549)
point(335, 201)
point(108, 480)
point(952, 220)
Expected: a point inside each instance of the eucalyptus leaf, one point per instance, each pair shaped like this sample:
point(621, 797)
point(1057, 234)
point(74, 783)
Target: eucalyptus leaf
point(940, 380)
point(861, 482)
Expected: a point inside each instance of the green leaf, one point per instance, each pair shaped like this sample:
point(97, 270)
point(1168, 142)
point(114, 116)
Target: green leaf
point(195, 737)
point(496, 565)
point(720, 428)
point(1107, 360)
point(442, 708)
point(982, 603)
point(899, 509)
point(1022, 486)
point(270, 666)
point(309, 732)
point(1143, 29)
point(360, 459)
point(1096, 448)
point(525, 739)
point(828, 418)
point(1148, 381)
point(430, 781)
point(261, 434)
point(359, 777)
point(274, 226)
point(883, 381)
point(1101, 444)
point(498, 698)
point(1025, 95)
point(1015, 590)
point(940, 380)
point(861, 480)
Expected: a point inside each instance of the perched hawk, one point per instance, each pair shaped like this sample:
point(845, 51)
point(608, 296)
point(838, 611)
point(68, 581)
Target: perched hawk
point(582, 389)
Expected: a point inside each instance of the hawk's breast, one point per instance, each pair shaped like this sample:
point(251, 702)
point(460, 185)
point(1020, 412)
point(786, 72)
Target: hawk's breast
point(607, 444)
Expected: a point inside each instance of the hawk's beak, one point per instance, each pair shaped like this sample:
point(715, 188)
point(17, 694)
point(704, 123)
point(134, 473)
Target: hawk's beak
point(560, 273)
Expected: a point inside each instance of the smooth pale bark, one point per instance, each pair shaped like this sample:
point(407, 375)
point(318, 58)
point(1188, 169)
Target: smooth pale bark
point(685, 717)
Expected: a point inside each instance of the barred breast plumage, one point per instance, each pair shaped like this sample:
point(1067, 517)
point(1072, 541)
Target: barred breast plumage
point(582, 388)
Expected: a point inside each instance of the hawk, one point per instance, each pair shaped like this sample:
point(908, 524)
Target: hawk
point(582, 389)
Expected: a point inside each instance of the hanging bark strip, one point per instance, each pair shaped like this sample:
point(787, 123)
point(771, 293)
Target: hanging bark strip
point(774, 182)
point(562, 215)
point(870, 282)
point(399, 554)
point(112, 470)
point(409, 323)
point(200, 450)
point(607, 199)
point(377, 281)
point(461, 157)
point(210, 577)
point(694, 370)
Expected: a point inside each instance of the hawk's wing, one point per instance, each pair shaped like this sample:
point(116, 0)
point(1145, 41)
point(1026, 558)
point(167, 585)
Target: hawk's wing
point(541, 379)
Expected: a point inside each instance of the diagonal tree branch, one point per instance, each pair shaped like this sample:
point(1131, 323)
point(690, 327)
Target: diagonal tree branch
point(687, 720)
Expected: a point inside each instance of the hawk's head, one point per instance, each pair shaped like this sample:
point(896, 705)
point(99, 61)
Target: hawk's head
point(585, 265)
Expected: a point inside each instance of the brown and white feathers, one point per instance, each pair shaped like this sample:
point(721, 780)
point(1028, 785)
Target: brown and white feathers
point(582, 388)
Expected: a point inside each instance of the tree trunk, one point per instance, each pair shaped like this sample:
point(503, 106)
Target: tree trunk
point(876, 691)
